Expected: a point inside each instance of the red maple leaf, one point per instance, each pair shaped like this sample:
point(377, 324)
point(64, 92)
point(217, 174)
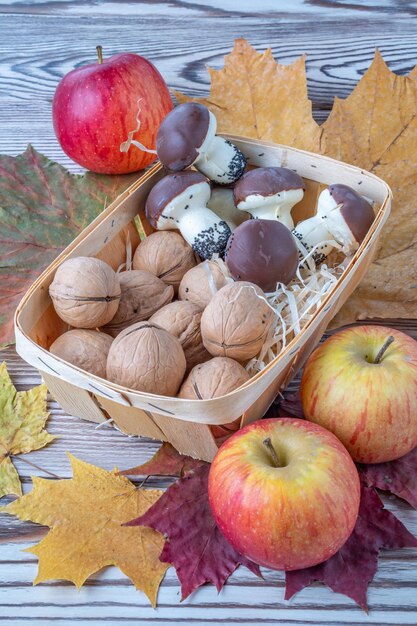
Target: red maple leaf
point(353, 567)
point(167, 461)
point(195, 545)
point(399, 477)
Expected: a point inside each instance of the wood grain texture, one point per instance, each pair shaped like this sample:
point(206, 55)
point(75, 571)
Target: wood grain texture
point(38, 46)
point(39, 42)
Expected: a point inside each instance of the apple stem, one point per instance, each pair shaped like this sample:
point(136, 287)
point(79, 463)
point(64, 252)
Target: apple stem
point(99, 54)
point(383, 349)
point(268, 444)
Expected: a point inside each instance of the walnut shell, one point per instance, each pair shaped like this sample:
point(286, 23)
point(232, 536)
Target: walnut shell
point(85, 292)
point(142, 294)
point(166, 255)
point(212, 379)
point(201, 283)
point(182, 319)
point(236, 321)
point(147, 358)
point(87, 349)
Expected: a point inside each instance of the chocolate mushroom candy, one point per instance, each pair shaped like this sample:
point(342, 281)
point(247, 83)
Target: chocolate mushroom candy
point(222, 203)
point(213, 379)
point(237, 321)
point(86, 349)
point(166, 255)
point(178, 201)
point(262, 252)
point(187, 136)
point(200, 283)
point(342, 215)
point(182, 319)
point(269, 193)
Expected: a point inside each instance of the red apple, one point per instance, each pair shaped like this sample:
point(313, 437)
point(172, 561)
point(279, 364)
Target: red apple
point(284, 492)
point(362, 386)
point(96, 106)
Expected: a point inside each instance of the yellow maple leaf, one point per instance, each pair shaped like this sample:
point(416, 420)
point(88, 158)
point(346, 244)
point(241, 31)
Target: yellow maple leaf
point(376, 128)
point(23, 416)
point(257, 97)
point(85, 515)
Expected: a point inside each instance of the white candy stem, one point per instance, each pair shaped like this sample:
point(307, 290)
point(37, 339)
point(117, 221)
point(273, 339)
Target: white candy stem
point(276, 207)
point(220, 161)
point(312, 232)
point(222, 204)
point(204, 231)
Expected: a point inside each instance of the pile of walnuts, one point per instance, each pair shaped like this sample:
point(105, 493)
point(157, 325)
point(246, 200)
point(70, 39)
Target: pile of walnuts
point(171, 325)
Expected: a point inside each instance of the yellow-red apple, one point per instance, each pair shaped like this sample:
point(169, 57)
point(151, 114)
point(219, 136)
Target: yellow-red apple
point(361, 384)
point(97, 106)
point(284, 492)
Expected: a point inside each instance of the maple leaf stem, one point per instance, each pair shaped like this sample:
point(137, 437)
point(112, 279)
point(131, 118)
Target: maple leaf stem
point(152, 476)
point(20, 458)
point(383, 349)
point(99, 54)
point(274, 456)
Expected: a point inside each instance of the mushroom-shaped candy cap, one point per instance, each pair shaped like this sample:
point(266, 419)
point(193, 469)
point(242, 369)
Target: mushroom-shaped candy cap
point(178, 201)
point(187, 136)
point(269, 193)
point(342, 216)
point(262, 252)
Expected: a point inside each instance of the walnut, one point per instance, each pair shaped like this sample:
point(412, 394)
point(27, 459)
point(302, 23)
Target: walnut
point(201, 283)
point(86, 349)
point(182, 319)
point(166, 255)
point(212, 379)
point(85, 292)
point(236, 321)
point(147, 358)
point(142, 295)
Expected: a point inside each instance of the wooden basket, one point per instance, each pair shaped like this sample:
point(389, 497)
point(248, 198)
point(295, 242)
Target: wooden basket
point(185, 423)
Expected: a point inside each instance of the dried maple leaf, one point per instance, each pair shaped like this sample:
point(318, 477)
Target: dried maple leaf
point(257, 97)
point(376, 128)
point(167, 461)
point(42, 208)
point(23, 416)
point(399, 477)
point(195, 545)
point(290, 404)
point(85, 515)
point(353, 567)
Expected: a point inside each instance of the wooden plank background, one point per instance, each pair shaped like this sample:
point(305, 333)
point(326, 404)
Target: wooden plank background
point(39, 42)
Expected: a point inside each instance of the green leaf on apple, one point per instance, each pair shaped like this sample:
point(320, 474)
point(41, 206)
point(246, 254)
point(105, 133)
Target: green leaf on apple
point(42, 208)
point(195, 545)
point(354, 566)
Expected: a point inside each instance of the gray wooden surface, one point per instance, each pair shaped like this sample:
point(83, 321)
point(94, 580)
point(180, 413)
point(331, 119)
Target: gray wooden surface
point(39, 42)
